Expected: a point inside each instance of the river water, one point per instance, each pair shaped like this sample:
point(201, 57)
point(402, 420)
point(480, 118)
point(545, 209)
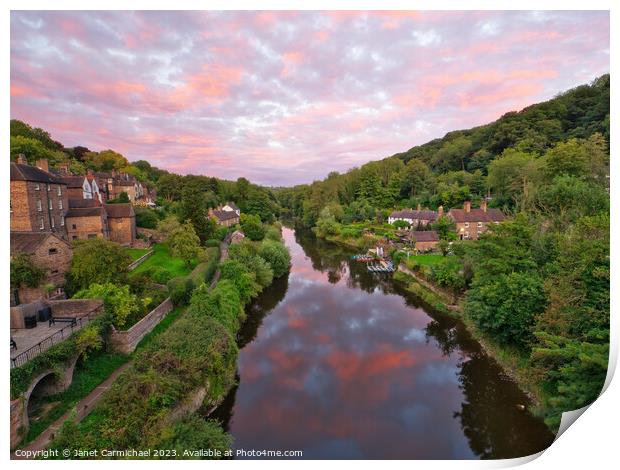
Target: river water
point(340, 363)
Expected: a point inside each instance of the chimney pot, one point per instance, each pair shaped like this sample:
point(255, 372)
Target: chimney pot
point(21, 159)
point(467, 206)
point(43, 164)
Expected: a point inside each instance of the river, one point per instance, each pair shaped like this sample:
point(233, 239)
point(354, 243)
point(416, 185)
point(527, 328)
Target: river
point(340, 363)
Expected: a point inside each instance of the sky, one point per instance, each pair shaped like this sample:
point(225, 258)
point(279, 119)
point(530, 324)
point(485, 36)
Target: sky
point(284, 98)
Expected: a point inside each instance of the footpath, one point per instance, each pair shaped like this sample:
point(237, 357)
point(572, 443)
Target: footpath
point(86, 404)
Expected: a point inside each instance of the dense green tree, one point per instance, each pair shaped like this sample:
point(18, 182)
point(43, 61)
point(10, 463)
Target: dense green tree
point(184, 243)
point(24, 272)
point(252, 227)
point(92, 261)
point(118, 301)
point(277, 255)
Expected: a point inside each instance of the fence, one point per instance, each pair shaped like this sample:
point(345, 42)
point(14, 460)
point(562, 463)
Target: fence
point(55, 338)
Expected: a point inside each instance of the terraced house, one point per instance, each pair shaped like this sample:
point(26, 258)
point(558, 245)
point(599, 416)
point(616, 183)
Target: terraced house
point(470, 223)
point(39, 199)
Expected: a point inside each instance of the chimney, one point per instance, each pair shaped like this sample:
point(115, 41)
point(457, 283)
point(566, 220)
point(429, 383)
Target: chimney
point(440, 211)
point(467, 206)
point(483, 205)
point(21, 159)
point(43, 165)
point(63, 168)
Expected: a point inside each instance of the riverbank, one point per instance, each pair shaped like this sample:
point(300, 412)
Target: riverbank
point(510, 360)
point(512, 363)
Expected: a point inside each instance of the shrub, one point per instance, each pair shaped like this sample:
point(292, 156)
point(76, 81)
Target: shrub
point(273, 233)
point(159, 274)
point(192, 433)
point(146, 218)
point(118, 301)
point(180, 290)
point(25, 272)
point(277, 255)
point(244, 281)
point(252, 227)
point(212, 243)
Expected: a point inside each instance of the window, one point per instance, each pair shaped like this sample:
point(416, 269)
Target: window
point(41, 224)
point(62, 220)
point(466, 224)
point(467, 235)
point(52, 222)
point(39, 207)
point(49, 187)
point(49, 204)
point(73, 226)
point(52, 251)
point(92, 235)
point(54, 271)
point(74, 237)
point(59, 190)
point(60, 203)
point(37, 187)
point(479, 224)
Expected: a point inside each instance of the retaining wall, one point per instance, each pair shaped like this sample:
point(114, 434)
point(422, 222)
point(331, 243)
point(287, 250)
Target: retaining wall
point(126, 341)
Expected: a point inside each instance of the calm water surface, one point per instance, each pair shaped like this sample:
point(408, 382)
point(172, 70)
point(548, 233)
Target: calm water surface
point(340, 363)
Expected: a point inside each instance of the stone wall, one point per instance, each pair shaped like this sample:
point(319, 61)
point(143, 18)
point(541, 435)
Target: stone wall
point(140, 260)
point(126, 341)
point(19, 423)
point(75, 307)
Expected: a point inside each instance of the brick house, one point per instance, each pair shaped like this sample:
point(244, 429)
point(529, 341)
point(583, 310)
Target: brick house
point(470, 223)
point(121, 223)
point(86, 218)
point(227, 215)
point(415, 218)
point(47, 250)
point(39, 199)
point(425, 240)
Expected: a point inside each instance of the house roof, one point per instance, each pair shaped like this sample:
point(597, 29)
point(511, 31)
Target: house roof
point(411, 214)
point(72, 181)
point(232, 205)
point(84, 211)
point(83, 203)
point(28, 242)
point(425, 236)
point(225, 215)
point(477, 215)
point(21, 172)
point(120, 210)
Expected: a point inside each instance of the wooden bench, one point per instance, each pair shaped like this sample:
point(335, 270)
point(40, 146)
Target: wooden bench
point(71, 320)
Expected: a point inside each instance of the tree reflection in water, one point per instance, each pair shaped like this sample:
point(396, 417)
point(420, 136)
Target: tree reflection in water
point(321, 367)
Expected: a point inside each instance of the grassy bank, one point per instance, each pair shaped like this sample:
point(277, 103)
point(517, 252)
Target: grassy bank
point(162, 259)
point(136, 253)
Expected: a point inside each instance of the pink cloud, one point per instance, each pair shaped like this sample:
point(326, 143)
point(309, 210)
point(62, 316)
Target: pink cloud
point(286, 97)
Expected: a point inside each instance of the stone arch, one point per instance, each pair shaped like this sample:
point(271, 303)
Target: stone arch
point(49, 382)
